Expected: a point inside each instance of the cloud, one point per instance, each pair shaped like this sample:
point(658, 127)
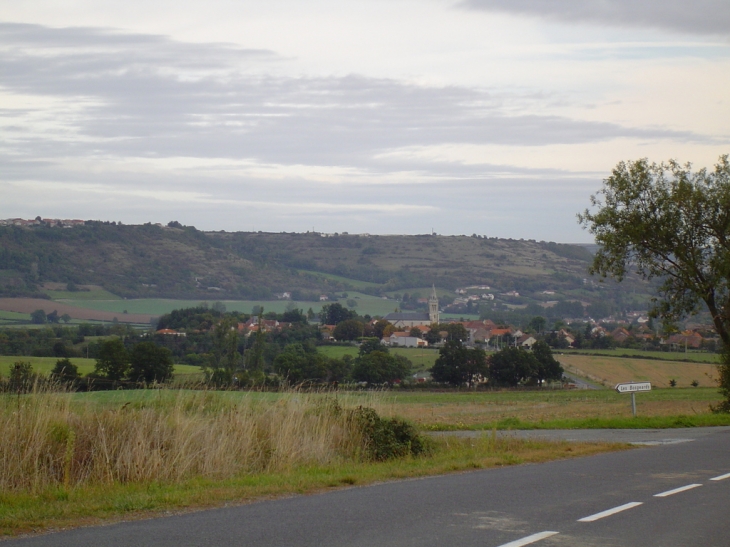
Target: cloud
point(703, 17)
point(148, 96)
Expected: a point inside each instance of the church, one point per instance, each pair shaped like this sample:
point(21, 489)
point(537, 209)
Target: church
point(402, 320)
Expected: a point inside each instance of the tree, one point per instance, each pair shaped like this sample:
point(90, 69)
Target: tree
point(21, 376)
point(459, 365)
point(350, 329)
point(415, 332)
point(511, 366)
point(38, 317)
point(379, 367)
point(548, 367)
point(66, 318)
point(335, 313)
point(665, 221)
point(370, 345)
point(299, 362)
point(150, 363)
point(65, 370)
point(113, 360)
point(538, 323)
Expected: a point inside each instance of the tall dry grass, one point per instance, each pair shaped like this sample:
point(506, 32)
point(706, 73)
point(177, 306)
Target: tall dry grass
point(62, 440)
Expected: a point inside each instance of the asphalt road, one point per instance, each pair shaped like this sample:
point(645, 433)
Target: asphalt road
point(605, 500)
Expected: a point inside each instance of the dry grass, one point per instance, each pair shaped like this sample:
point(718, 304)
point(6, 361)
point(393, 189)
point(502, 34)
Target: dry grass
point(610, 371)
point(53, 439)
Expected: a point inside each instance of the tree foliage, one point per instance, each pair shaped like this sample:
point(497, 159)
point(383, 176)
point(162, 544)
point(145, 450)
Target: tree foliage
point(458, 365)
point(150, 363)
point(379, 367)
point(511, 366)
point(113, 360)
point(668, 222)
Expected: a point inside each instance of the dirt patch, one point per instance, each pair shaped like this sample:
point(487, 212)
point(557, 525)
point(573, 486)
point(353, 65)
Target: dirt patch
point(29, 305)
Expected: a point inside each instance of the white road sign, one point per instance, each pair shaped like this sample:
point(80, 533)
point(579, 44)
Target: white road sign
point(633, 387)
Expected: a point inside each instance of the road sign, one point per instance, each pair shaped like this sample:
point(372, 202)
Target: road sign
point(633, 387)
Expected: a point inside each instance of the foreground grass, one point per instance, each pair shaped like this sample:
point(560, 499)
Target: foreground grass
point(56, 508)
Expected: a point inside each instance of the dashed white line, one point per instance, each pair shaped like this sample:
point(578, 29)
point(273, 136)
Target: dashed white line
point(676, 490)
point(721, 477)
point(609, 512)
point(529, 539)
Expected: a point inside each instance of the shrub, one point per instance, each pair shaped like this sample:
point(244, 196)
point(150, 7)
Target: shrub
point(387, 438)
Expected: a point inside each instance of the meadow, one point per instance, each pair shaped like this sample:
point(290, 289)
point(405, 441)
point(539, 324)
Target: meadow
point(692, 355)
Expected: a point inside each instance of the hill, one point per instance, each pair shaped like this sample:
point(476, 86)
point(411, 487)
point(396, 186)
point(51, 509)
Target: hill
point(152, 261)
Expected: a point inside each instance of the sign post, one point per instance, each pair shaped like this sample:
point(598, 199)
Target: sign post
point(633, 387)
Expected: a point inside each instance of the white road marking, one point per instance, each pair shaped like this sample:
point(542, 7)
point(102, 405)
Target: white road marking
point(529, 539)
point(721, 477)
point(676, 490)
point(609, 512)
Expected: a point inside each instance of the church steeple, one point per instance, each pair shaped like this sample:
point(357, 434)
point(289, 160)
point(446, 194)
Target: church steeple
point(433, 307)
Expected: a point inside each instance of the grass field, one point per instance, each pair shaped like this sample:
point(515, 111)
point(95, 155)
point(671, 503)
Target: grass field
point(44, 365)
point(610, 371)
point(354, 283)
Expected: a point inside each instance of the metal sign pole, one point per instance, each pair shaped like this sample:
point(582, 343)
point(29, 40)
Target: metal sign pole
point(633, 403)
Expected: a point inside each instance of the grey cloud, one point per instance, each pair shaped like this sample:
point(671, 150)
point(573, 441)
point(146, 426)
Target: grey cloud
point(137, 102)
point(710, 17)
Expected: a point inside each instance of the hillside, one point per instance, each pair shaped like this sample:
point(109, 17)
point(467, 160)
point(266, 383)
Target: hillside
point(146, 261)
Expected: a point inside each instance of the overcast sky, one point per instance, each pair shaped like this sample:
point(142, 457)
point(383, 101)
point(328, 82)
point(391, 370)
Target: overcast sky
point(495, 117)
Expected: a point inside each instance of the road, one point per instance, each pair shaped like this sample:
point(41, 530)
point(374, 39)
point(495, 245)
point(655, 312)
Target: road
point(667, 495)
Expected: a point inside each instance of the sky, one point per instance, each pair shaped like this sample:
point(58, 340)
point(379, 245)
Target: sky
point(490, 117)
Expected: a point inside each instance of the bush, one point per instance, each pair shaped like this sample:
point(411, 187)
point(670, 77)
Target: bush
point(387, 438)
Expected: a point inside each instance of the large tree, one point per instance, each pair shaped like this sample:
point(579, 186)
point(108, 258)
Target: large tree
point(666, 221)
point(459, 365)
point(150, 363)
point(113, 359)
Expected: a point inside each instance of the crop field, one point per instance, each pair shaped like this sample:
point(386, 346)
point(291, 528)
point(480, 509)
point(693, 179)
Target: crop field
point(696, 356)
point(610, 371)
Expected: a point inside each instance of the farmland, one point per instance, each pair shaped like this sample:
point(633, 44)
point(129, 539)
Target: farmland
point(44, 365)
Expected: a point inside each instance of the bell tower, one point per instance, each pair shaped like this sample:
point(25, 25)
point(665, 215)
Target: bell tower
point(433, 307)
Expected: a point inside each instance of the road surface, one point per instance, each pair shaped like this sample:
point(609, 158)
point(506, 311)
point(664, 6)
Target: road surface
point(667, 495)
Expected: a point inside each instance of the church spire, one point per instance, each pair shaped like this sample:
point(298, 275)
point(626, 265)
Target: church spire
point(433, 307)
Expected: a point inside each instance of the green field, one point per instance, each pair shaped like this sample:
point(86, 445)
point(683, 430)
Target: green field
point(13, 318)
point(93, 294)
point(693, 356)
point(44, 365)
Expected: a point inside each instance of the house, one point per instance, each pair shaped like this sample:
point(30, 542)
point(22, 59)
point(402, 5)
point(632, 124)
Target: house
point(170, 332)
point(526, 341)
point(404, 340)
point(565, 335)
point(620, 335)
point(686, 339)
point(323, 298)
